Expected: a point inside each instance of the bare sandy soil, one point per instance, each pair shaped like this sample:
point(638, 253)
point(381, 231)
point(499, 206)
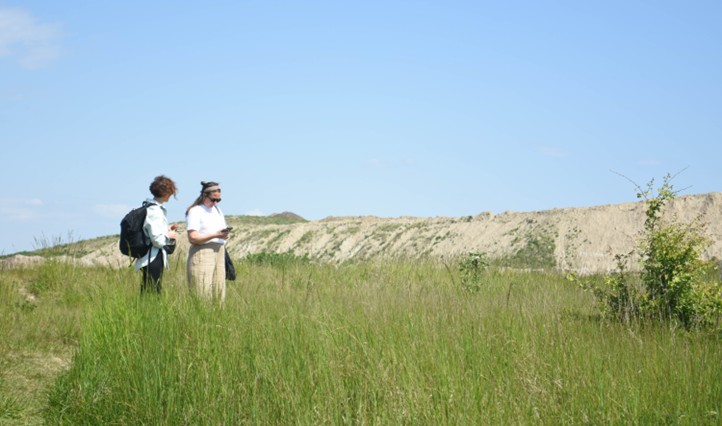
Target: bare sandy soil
point(582, 240)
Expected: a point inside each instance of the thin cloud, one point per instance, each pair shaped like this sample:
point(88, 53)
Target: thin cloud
point(254, 212)
point(20, 210)
point(377, 163)
point(30, 43)
point(553, 151)
point(111, 210)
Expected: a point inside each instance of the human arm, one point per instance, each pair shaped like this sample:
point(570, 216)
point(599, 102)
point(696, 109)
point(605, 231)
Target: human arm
point(156, 227)
point(196, 238)
point(204, 226)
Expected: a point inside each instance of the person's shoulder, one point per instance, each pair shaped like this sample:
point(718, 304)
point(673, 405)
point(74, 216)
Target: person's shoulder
point(195, 210)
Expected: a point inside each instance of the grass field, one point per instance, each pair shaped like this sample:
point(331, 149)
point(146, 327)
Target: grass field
point(371, 343)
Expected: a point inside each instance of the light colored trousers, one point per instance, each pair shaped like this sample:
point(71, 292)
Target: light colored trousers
point(206, 270)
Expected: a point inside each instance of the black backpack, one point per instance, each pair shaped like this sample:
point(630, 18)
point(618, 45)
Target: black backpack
point(132, 238)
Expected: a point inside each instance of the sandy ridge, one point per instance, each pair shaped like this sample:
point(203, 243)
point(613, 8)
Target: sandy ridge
point(583, 239)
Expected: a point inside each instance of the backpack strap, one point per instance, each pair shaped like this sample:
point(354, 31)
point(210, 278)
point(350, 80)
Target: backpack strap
point(147, 204)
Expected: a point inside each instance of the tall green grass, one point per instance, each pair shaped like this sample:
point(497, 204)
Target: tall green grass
point(370, 343)
point(42, 312)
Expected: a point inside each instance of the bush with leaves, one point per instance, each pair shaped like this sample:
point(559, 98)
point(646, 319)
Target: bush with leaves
point(619, 294)
point(673, 283)
point(471, 268)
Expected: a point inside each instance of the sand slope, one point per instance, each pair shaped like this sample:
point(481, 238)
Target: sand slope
point(583, 240)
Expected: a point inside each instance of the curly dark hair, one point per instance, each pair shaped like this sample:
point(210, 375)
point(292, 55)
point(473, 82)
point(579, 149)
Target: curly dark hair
point(162, 186)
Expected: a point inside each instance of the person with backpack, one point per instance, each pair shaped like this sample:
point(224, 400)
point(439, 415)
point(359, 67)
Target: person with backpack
point(207, 233)
point(158, 235)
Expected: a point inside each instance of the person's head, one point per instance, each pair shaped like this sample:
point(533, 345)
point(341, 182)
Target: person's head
point(163, 187)
point(209, 191)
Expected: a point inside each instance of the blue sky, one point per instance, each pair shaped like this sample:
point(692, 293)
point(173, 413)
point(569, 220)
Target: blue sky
point(334, 108)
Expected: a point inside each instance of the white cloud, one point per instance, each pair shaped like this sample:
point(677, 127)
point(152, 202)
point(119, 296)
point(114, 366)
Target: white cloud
point(20, 210)
point(553, 151)
point(113, 211)
point(254, 212)
point(377, 163)
point(30, 43)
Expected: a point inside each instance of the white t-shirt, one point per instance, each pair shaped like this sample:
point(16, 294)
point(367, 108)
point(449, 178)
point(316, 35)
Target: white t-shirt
point(206, 220)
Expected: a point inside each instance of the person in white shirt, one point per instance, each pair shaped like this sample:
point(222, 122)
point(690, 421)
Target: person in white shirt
point(207, 233)
point(158, 234)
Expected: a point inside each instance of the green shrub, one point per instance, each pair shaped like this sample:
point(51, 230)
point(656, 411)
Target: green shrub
point(471, 268)
point(672, 284)
point(620, 291)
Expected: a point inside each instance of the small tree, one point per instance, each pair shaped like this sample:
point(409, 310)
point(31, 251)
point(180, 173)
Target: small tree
point(672, 262)
point(671, 284)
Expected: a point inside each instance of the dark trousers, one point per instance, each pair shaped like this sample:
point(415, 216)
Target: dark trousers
point(152, 275)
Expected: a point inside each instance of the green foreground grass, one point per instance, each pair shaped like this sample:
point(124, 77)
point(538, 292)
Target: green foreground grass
point(372, 343)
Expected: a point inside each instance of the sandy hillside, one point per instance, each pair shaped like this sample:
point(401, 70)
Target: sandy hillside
point(582, 240)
